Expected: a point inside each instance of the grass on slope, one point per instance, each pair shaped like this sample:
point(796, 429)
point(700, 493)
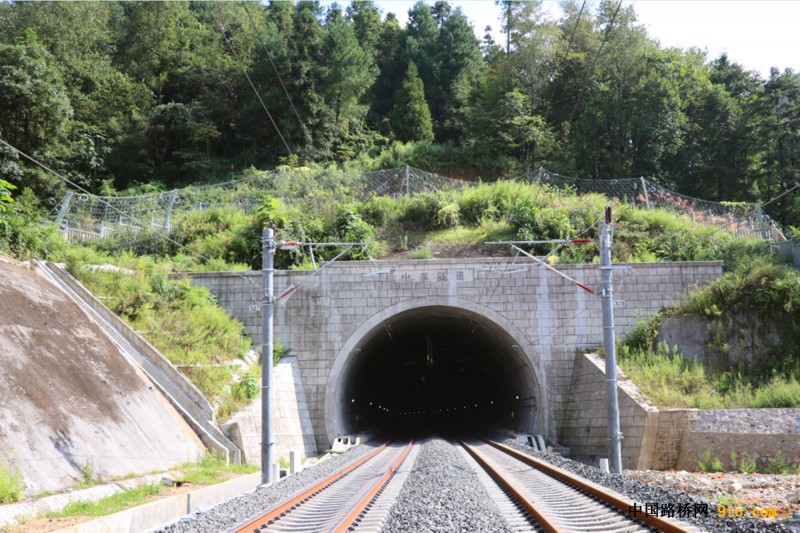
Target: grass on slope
point(183, 321)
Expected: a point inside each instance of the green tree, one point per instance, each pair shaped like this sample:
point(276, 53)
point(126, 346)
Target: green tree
point(350, 71)
point(411, 118)
point(533, 46)
point(307, 51)
point(35, 112)
point(778, 129)
point(366, 19)
point(509, 127)
point(391, 72)
point(459, 66)
point(629, 121)
point(6, 200)
point(420, 46)
point(715, 156)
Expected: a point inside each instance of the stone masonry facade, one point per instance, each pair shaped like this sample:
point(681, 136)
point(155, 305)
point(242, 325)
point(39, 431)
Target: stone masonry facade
point(672, 424)
point(546, 315)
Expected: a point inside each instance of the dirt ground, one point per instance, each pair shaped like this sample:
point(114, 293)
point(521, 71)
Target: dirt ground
point(732, 490)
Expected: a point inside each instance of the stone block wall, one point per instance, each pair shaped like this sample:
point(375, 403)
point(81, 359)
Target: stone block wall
point(585, 425)
point(672, 423)
point(550, 316)
point(760, 433)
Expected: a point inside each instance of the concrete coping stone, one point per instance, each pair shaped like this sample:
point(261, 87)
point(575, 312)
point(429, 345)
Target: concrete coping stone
point(165, 511)
point(11, 514)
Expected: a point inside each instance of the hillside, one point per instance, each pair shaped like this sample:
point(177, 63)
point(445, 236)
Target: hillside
point(158, 95)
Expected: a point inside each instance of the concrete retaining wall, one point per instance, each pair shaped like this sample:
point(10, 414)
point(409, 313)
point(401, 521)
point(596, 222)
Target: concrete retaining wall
point(760, 447)
point(291, 421)
point(760, 433)
point(672, 423)
point(670, 438)
point(724, 342)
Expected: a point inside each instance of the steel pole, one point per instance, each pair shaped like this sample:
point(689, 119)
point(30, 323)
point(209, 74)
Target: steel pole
point(267, 444)
point(606, 268)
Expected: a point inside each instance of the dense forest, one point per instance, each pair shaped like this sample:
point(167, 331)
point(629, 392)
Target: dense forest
point(115, 95)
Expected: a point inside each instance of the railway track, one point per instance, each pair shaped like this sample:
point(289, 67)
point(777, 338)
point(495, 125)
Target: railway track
point(554, 499)
point(359, 495)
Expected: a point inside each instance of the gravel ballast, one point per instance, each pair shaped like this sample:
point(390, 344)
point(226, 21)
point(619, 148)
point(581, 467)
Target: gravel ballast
point(442, 493)
point(642, 494)
point(228, 514)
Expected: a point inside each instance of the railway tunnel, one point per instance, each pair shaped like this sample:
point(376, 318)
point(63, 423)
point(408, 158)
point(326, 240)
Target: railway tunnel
point(435, 368)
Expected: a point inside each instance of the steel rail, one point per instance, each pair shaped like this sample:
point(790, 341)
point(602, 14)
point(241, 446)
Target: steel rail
point(595, 491)
point(521, 499)
point(274, 515)
point(359, 508)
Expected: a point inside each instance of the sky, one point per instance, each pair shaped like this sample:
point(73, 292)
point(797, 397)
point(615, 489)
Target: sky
point(757, 34)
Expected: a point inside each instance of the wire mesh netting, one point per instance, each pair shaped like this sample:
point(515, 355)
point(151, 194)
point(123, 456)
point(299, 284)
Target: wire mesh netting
point(85, 216)
point(743, 219)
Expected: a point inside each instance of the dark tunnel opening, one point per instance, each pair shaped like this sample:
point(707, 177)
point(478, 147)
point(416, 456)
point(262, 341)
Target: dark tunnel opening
point(438, 369)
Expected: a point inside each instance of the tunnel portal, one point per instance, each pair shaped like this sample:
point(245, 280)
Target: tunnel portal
point(436, 368)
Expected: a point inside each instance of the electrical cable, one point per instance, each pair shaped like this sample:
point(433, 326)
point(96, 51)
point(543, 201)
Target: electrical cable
point(784, 193)
point(246, 75)
point(128, 217)
point(596, 57)
point(274, 68)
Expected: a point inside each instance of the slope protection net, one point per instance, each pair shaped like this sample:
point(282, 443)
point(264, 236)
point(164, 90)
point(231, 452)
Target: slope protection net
point(741, 218)
point(86, 216)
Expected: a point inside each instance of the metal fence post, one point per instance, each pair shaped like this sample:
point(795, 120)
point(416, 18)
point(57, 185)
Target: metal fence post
point(64, 208)
point(644, 190)
point(173, 197)
point(761, 222)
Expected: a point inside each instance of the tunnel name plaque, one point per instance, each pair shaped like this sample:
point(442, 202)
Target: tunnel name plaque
point(432, 276)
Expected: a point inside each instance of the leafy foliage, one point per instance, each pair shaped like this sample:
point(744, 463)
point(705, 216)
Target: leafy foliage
point(147, 92)
point(11, 485)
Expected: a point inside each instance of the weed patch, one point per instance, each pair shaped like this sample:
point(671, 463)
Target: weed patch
point(11, 484)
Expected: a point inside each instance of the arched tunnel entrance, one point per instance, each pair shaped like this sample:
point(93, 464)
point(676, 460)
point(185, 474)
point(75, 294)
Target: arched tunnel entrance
point(435, 367)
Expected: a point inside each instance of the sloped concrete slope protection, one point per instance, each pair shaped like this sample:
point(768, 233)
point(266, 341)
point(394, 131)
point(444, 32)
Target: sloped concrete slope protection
point(71, 403)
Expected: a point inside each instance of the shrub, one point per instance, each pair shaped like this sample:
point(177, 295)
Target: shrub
point(778, 464)
point(421, 253)
point(707, 464)
point(11, 485)
point(379, 211)
point(421, 209)
point(246, 388)
point(352, 228)
point(448, 216)
point(780, 392)
point(747, 464)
